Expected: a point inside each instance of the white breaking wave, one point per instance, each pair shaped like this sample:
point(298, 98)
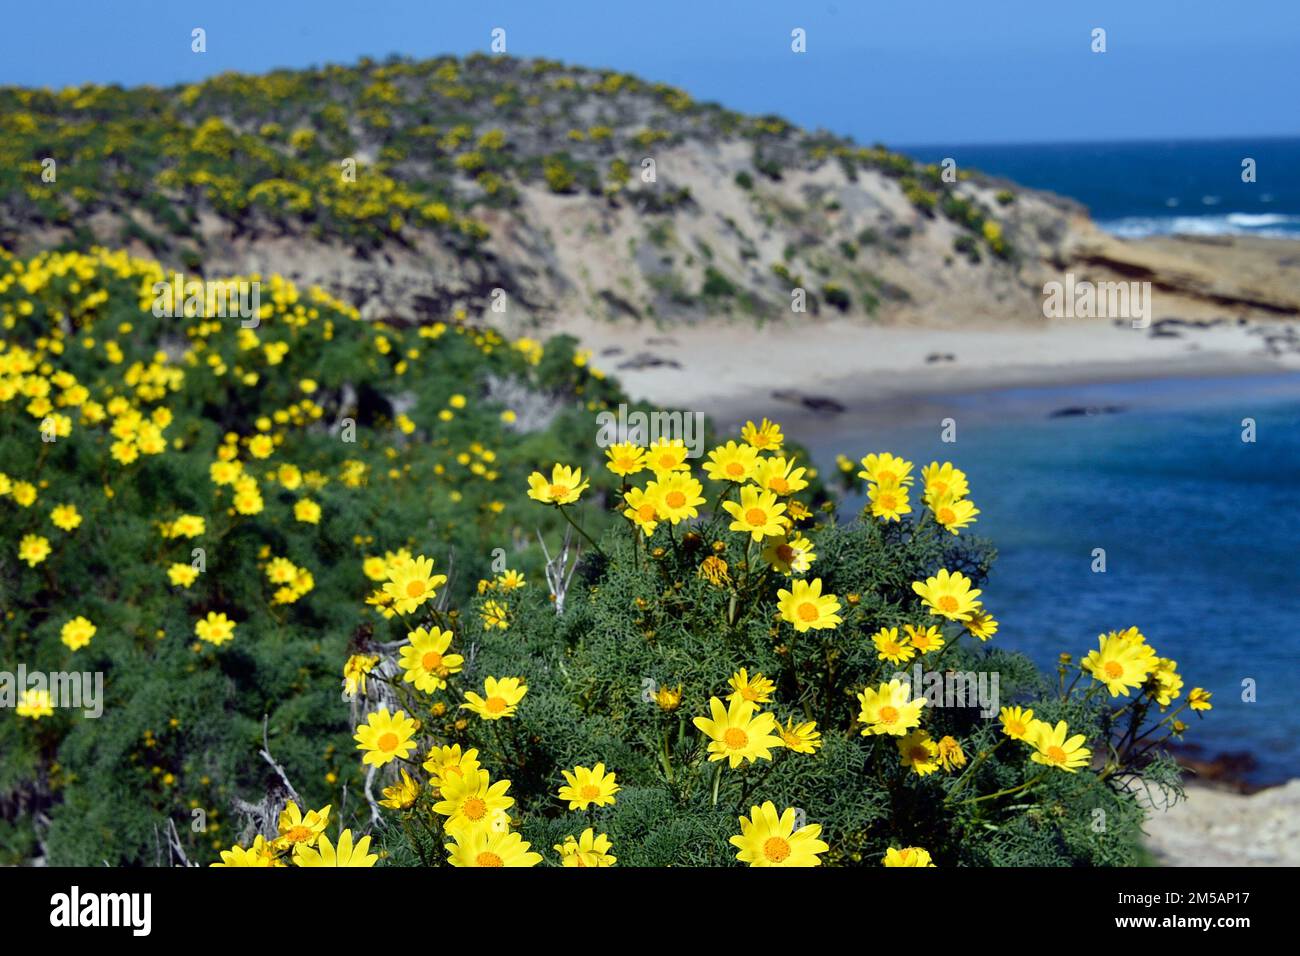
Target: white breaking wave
point(1273, 225)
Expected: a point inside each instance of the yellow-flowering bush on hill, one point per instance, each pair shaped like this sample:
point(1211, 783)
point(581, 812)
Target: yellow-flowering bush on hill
point(730, 676)
point(186, 504)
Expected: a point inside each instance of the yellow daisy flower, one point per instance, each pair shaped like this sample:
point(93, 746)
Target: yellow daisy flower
point(35, 704)
point(216, 628)
point(643, 509)
point(953, 513)
point(886, 469)
point(295, 828)
point(802, 738)
point(779, 475)
point(1017, 723)
point(425, 661)
point(757, 514)
point(732, 462)
point(925, 639)
point(1120, 662)
point(473, 798)
point(411, 583)
point(736, 733)
point(260, 854)
point(677, 496)
point(33, 548)
point(919, 752)
point(949, 595)
point(665, 456)
point(491, 848)
point(770, 839)
point(907, 856)
point(765, 436)
point(625, 459)
point(587, 786)
point(501, 698)
point(565, 486)
point(806, 607)
point(789, 554)
point(981, 623)
point(588, 850)
point(445, 762)
point(889, 709)
point(77, 632)
point(758, 689)
point(1052, 749)
point(941, 480)
point(889, 502)
point(385, 737)
point(890, 648)
point(65, 517)
point(951, 756)
point(325, 854)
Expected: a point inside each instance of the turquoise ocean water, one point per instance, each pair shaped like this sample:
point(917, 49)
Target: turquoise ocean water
point(1201, 532)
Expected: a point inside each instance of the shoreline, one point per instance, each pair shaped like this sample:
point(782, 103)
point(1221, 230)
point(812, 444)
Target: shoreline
point(836, 374)
point(1216, 826)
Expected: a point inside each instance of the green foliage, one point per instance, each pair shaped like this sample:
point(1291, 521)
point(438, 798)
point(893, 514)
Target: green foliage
point(182, 719)
point(641, 618)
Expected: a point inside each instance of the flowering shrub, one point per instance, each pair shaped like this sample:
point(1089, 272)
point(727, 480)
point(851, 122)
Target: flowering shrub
point(186, 508)
point(232, 524)
point(729, 677)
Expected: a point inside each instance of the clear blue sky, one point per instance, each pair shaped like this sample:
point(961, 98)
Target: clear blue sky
point(909, 72)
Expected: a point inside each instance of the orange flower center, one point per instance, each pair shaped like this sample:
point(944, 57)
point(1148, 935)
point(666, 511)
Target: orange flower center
point(1113, 669)
point(1016, 728)
point(667, 462)
point(298, 834)
point(431, 661)
point(756, 516)
point(735, 738)
point(388, 742)
point(888, 715)
point(887, 500)
point(1056, 754)
point(779, 485)
point(495, 705)
point(946, 516)
point(735, 468)
point(414, 589)
point(776, 849)
point(474, 808)
point(675, 499)
point(808, 611)
point(590, 792)
point(948, 604)
point(488, 859)
point(886, 478)
point(558, 491)
point(646, 512)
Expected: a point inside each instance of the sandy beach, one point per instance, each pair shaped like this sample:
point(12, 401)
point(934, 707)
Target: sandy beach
point(1217, 827)
point(804, 368)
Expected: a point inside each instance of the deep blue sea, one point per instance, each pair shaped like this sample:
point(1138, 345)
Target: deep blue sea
point(1200, 529)
point(1156, 188)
